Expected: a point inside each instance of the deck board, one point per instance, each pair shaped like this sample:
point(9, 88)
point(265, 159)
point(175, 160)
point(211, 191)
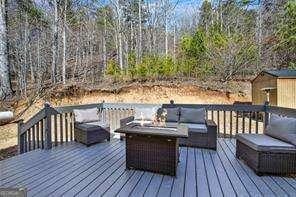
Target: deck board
point(165, 187)
point(33, 161)
point(19, 175)
point(178, 186)
point(214, 184)
point(264, 188)
point(101, 189)
point(248, 183)
point(71, 176)
point(130, 184)
point(119, 183)
point(140, 188)
point(153, 187)
point(100, 177)
point(99, 170)
point(190, 179)
point(202, 181)
point(226, 185)
point(285, 186)
point(86, 181)
point(235, 180)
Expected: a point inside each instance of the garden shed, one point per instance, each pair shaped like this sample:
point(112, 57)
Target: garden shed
point(276, 86)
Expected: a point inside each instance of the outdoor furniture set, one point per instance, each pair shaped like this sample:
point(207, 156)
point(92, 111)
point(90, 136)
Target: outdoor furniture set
point(153, 136)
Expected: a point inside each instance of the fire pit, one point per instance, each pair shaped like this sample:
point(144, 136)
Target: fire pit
point(152, 147)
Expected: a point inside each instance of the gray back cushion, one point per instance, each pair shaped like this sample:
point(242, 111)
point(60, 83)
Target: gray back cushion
point(171, 114)
point(145, 113)
point(282, 128)
point(86, 115)
point(192, 115)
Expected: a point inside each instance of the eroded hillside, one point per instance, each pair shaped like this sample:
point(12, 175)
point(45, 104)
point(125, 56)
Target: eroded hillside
point(133, 93)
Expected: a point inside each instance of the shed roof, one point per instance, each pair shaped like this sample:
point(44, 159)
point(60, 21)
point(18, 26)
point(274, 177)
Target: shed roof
point(282, 73)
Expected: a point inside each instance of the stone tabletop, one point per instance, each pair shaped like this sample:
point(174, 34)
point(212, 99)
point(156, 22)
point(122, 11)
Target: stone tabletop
point(150, 129)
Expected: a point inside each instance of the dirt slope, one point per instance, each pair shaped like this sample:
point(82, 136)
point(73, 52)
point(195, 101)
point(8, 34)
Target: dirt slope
point(136, 93)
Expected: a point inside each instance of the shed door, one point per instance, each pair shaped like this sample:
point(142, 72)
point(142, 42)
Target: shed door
point(273, 97)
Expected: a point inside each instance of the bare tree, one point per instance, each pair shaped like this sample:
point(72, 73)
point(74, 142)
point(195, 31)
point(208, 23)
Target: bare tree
point(259, 32)
point(76, 39)
point(55, 44)
point(104, 40)
point(119, 32)
point(64, 43)
point(5, 84)
point(140, 32)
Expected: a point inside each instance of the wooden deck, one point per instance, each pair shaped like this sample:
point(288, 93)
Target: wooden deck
point(75, 170)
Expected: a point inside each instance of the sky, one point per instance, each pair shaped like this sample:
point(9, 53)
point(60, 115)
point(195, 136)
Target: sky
point(185, 6)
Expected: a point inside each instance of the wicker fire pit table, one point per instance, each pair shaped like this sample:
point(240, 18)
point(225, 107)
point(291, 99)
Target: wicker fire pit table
point(153, 148)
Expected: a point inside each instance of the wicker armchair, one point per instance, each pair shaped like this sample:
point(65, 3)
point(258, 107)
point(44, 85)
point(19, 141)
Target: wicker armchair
point(89, 128)
point(91, 133)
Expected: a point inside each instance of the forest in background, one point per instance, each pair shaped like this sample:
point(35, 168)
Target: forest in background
point(45, 43)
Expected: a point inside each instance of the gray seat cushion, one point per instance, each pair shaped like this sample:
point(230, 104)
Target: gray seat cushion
point(265, 143)
point(199, 128)
point(171, 124)
point(192, 115)
point(91, 126)
point(172, 114)
point(282, 128)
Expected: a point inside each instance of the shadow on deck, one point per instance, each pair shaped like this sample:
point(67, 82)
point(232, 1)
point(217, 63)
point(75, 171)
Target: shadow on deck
point(74, 169)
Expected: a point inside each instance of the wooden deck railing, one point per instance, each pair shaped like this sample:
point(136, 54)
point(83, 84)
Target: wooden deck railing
point(49, 127)
point(53, 126)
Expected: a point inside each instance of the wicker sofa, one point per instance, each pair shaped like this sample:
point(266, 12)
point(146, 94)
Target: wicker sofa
point(272, 152)
point(202, 133)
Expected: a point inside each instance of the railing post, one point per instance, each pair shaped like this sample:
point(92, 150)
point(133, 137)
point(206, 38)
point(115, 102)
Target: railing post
point(102, 105)
point(47, 126)
point(266, 114)
point(172, 103)
point(20, 137)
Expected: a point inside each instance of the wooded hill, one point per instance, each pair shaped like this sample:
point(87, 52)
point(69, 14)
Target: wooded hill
point(49, 42)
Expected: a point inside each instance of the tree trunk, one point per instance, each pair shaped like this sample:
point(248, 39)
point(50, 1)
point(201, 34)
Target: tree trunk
point(259, 35)
point(174, 47)
point(221, 15)
point(64, 43)
point(166, 37)
point(5, 83)
point(104, 42)
point(38, 63)
point(119, 32)
point(120, 50)
point(166, 29)
point(140, 33)
point(55, 43)
point(24, 61)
